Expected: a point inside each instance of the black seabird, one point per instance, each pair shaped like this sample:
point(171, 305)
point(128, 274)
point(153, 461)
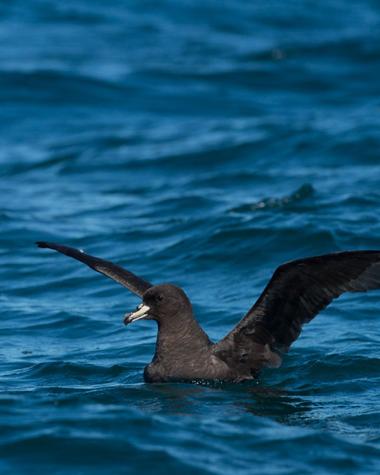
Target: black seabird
point(297, 291)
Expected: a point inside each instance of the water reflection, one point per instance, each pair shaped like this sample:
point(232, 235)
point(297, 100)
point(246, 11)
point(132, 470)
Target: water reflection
point(278, 404)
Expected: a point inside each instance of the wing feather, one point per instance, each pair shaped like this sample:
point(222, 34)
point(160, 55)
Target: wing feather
point(129, 280)
point(296, 293)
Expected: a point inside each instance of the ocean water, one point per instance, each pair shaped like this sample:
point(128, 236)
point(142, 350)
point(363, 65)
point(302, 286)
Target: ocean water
point(203, 144)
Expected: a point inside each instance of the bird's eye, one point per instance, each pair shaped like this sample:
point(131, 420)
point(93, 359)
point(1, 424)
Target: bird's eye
point(160, 297)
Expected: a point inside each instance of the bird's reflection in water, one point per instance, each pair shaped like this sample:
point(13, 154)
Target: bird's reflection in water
point(278, 404)
point(176, 399)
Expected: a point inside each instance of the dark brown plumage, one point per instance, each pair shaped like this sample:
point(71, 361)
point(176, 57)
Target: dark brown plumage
point(135, 284)
point(295, 294)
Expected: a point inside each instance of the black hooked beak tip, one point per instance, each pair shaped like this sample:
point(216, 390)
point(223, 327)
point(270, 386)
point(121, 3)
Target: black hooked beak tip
point(140, 313)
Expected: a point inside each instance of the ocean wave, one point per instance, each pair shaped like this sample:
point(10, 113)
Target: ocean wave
point(202, 144)
point(305, 191)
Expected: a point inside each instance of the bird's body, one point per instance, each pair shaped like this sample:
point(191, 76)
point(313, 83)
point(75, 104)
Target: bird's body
point(297, 291)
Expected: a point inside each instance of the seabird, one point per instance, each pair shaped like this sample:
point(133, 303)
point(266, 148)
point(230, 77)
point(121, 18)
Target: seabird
point(297, 291)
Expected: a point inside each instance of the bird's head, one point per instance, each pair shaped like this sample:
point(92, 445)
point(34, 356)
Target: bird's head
point(160, 302)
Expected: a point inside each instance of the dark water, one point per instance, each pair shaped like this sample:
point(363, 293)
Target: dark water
point(200, 143)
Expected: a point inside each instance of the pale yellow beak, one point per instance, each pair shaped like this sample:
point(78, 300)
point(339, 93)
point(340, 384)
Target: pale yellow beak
point(140, 313)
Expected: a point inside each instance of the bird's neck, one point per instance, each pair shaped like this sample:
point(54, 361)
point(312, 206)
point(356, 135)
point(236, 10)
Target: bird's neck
point(180, 335)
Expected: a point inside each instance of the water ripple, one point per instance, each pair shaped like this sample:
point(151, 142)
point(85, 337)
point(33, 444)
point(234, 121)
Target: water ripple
point(202, 144)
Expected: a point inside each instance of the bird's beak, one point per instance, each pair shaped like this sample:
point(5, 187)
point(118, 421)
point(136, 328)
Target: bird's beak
point(140, 313)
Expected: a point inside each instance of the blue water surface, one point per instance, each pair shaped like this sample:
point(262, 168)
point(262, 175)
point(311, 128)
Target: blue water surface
point(201, 143)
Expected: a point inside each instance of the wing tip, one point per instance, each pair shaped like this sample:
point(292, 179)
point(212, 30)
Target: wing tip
point(48, 245)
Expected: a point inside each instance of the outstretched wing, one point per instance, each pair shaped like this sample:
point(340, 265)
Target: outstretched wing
point(135, 284)
point(297, 291)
